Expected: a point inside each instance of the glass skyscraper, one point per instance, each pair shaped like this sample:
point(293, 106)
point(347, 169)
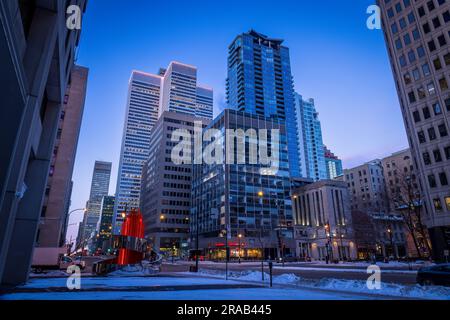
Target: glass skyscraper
point(260, 82)
point(141, 115)
point(309, 139)
point(242, 206)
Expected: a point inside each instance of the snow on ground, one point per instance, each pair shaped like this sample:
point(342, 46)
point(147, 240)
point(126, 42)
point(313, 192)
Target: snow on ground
point(124, 282)
point(354, 286)
point(246, 294)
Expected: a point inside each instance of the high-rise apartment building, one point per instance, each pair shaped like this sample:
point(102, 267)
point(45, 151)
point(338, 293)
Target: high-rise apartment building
point(142, 111)
point(309, 139)
point(54, 214)
point(260, 82)
point(246, 207)
point(333, 164)
point(182, 94)
point(418, 41)
point(104, 234)
point(166, 185)
point(99, 189)
point(37, 51)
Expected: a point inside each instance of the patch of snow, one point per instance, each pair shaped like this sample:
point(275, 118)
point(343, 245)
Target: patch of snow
point(354, 286)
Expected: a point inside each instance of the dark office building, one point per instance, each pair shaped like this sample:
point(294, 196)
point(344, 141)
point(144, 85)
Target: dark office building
point(37, 52)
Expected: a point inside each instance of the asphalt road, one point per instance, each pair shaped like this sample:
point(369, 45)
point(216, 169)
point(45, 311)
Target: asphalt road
point(310, 272)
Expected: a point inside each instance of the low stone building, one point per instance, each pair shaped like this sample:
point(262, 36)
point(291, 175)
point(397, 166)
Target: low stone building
point(323, 222)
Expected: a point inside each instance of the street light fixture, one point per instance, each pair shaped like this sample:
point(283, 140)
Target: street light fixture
point(239, 253)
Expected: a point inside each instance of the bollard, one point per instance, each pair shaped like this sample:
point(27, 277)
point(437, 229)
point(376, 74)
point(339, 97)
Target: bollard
point(270, 272)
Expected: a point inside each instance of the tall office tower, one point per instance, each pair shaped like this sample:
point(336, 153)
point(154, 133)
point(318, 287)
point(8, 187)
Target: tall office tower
point(99, 189)
point(182, 94)
point(260, 82)
point(204, 105)
point(309, 139)
point(54, 215)
point(245, 206)
point(333, 164)
point(418, 41)
point(141, 115)
point(174, 89)
point(104, 238)
point(37, 51)
point(368, 194)
point(166, 185)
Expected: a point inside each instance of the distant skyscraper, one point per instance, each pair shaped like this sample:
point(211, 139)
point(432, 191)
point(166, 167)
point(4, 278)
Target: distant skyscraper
point(309, 139)
point(166, 186)
point(105, 224)
point(333, 164)
point(260, 82)
point(141, 115)
point(418, 41)
point(182, 94)
point(204, 104)
point(99, 189)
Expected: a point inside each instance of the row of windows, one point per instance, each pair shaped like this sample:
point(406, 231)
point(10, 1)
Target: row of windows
point(431, 132)
point(421, 93)
point(425, 113)
point(437, 155)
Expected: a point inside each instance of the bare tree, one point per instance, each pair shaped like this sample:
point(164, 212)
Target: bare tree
point(408, 201)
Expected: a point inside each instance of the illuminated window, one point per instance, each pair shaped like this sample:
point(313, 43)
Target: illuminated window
point(447, 203)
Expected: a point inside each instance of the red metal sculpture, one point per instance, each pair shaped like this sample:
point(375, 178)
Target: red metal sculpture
point(133, 229)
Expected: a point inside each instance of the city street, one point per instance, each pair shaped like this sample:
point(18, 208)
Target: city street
point(389, 274)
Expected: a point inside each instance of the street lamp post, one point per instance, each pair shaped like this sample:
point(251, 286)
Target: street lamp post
point(261, 195)
point(239, 253)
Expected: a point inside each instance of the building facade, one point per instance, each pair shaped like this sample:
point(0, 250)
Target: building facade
point(405, 198)
point(37, 51)
point(323, 222)
point(333, 164)
point(166, 184)
point(309, 139)
point(54, 215)
point(182, 94)
point(104, 234)
point(418, 42)
point(260, 82)
point(174, 89)
point(368, 196)
point(142, 112)
point(243, 207)
point(99, 189)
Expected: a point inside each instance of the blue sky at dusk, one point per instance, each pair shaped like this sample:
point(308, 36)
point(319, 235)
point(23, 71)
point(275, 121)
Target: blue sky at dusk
point(335, 59)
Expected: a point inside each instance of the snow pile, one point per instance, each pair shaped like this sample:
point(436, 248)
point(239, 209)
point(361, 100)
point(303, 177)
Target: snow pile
point(396, 290)
point(49, 274)
point(354, 286)
point(133, 271)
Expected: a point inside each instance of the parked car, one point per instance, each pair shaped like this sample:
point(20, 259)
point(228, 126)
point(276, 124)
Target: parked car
point(438, 275)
